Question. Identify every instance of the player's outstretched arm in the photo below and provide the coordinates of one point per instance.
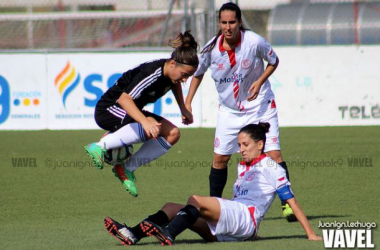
(301, 217)
(195, 82)
(187, 116)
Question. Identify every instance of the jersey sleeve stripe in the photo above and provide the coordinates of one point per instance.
(136, 91)
(147, 80)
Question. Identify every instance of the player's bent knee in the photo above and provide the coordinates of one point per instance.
(220, 161)
(194, 200)
(168, 205)
(275, 155)
(174, 135)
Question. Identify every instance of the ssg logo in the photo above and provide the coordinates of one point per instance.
(66, 81)
(69, 78)
(94, 86)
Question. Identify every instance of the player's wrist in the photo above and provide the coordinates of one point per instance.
(145, 122)
(188, 102)
(182, 108)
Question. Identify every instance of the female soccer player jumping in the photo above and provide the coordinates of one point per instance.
(120, 110)
(259, 179)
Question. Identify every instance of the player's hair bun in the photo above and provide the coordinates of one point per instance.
(265, 126)
(185, 49)
(185, 40)
(256, 131)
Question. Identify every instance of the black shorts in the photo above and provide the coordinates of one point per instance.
(111, 117)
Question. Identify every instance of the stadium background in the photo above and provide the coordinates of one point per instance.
(111, 24)
(58, 57)
(72, 51)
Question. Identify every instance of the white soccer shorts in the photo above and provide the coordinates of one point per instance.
(235, 222)
(229, 124)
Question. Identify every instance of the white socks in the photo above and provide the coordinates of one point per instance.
(149, 151)
(129, 134)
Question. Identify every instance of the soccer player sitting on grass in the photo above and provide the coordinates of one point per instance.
(215, 219)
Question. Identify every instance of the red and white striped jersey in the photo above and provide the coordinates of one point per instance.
(258, 183)
(235, 70)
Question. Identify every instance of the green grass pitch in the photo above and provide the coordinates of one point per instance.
(51, 198)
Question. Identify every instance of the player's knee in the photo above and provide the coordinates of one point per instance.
(275, 155)
(220, 161)
(167, 206)
(175, 134)
(193, 200)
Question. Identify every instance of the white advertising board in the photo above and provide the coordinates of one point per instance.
(23, 97)
(70, 85)
(318, 86)
(314, 86)
(328, 86)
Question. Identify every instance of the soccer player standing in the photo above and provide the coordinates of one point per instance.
(120, 110)
(236, 57)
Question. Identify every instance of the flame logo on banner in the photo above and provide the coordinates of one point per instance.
(66, 81)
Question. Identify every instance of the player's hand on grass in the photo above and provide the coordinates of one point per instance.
(151, 128)
(314, 237)
(254, 91)
(187, 117)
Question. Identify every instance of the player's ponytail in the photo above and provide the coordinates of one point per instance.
(185, 49)
(256, 131)
(227, 6)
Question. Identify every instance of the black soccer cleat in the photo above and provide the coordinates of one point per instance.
(160, 233)
(120, 232)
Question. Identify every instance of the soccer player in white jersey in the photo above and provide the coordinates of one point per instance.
(120, 110)
(236, 58)
(259, 179)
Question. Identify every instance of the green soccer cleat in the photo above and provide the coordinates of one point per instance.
(288, 213)
(127, 178)
(96, 154)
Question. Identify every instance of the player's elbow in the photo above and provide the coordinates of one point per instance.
(276, 63)
(124, 97)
